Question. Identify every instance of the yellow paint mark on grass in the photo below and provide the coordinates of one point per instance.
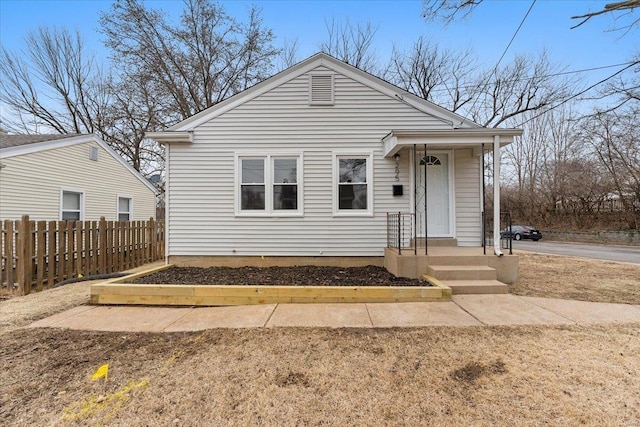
(104, 406)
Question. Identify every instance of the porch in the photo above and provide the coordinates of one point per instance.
(466, 270)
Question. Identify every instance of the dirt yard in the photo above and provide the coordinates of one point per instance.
(282, 276)
(568, 375)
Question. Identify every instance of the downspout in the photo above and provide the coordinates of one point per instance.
(496, 195)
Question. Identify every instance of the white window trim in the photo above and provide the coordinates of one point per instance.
(118, 211)
(337, 155)
(82, 201)
(268, 212)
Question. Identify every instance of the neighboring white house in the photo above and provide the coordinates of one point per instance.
(308, 163)
(70, 177)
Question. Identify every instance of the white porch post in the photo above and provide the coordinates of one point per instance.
(496, 195)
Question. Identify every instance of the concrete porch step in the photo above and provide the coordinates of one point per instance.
(463, 287)
(436, 242)
(475, 260)
(462, 272)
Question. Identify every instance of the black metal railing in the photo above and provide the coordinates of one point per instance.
(401, 233)
(506, 239)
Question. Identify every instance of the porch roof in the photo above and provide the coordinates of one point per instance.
(395, 140)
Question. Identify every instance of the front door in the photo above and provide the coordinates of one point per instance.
(438, 194)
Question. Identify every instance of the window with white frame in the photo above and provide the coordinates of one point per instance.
(269, 185)
(352, 178)
(72, 205)
(125, 208)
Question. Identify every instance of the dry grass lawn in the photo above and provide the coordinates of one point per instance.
(525, 375)
(554, 276)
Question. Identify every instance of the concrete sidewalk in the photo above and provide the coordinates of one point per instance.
(463, 310)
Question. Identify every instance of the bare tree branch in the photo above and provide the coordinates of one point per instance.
(608, 8)
(351, 44)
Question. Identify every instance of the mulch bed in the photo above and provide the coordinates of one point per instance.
(279, 276)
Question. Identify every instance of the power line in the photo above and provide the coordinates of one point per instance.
(514, 35)
(495, 68)
(561, 73)
(582, 92)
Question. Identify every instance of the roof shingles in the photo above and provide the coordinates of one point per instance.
(7, 141)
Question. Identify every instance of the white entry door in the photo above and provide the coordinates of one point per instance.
(438, 194)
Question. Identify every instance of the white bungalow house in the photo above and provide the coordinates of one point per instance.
(326, 164)
(70, 177)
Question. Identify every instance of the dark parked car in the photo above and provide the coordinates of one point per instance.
(519, 232)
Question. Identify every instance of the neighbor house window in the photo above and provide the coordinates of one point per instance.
(125, 208)
(352, 178)
(72, 205)
(269, 185)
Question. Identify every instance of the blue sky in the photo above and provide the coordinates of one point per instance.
(487, 31)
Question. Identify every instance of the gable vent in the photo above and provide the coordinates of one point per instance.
(321, 89)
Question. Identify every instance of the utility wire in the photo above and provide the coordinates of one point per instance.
(495, 68)
(582, 92)
(561, 73)
(514, 35)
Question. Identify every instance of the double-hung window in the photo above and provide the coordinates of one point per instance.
(353, 175)
(125, 208)
(71, 205)
(269, 185)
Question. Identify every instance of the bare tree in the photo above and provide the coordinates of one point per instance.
(527, 84)
(615, 139)
(439, 75)
(450, 10)
(352, 44)
(618, 6)
(197, 63)
(288, 56)
(53, 85)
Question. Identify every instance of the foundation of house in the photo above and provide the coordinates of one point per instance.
(274, 261)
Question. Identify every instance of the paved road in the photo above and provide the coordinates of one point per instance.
(611, 253)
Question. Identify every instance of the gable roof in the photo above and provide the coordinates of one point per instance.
(7, 140)
(16, 145)
(319, 59)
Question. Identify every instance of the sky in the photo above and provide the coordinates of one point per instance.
(487, 31)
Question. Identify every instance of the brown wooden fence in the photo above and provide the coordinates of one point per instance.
(38, 255)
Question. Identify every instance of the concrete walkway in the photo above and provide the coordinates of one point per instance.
(463, 310)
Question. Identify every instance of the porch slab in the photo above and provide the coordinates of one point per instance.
(507, 310)
(588, 312)
(410, 314)
(320, 315)
(459, 287)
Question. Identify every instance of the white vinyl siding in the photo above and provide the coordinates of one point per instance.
(202, 202)
(30, 184)
(467, 185)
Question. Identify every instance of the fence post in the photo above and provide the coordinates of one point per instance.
(23, 264)
(102, 233)
(152, 240)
